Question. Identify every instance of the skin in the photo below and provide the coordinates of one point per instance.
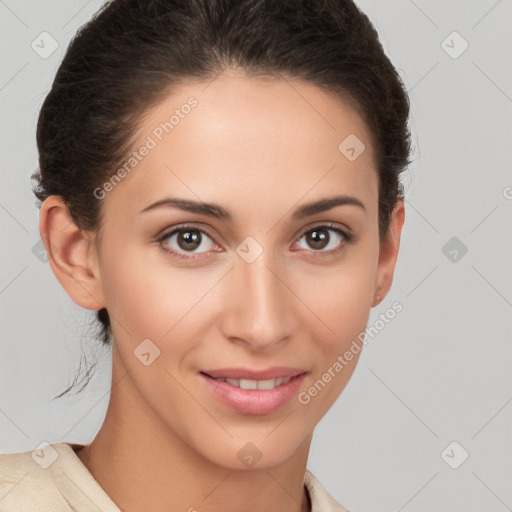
(260, 148)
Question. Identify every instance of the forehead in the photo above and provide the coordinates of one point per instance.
(254, 138)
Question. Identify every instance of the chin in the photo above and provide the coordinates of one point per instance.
(256, 450)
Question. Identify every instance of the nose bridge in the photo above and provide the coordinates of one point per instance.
(260, 305)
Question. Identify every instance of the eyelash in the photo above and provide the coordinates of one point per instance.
(348, 239)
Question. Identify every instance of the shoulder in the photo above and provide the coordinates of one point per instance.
(51, 478)
(27, 481)
(321, 500)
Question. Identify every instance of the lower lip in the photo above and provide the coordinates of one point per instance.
(254, 401)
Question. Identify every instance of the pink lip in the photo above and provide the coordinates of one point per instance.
(254, 401)
(247, 373)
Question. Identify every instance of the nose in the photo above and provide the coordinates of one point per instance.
(259, 306)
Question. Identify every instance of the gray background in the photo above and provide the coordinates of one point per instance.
(438, 373)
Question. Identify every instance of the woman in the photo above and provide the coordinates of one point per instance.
(269, 137)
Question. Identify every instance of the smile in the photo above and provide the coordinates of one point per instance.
(253, 396)
(256, 384)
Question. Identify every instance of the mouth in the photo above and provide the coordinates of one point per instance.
(254, 396)
(265, 384)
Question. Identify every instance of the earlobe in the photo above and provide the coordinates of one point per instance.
(71, 254)
(389, 252)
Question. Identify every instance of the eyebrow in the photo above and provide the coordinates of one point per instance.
(217, 211)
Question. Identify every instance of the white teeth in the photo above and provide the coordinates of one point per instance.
(257, 384)
(248, 384)
(269, 384)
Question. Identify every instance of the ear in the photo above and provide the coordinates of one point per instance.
(389, 253)
(72, 254)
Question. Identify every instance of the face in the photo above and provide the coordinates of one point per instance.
(193, 293)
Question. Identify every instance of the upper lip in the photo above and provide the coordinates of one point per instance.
(250, 374)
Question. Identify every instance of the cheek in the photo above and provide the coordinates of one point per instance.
(148, 295)
(339, 298)
(130, 288)
(341, 307)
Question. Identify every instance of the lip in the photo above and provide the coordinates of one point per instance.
(247, 373)
(254, 401)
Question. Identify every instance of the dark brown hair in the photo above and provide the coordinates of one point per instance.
(132, 53)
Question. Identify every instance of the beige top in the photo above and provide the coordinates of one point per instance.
(54, 479)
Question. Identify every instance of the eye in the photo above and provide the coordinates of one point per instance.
(186, 239)
(318, 238)
(190, 242)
